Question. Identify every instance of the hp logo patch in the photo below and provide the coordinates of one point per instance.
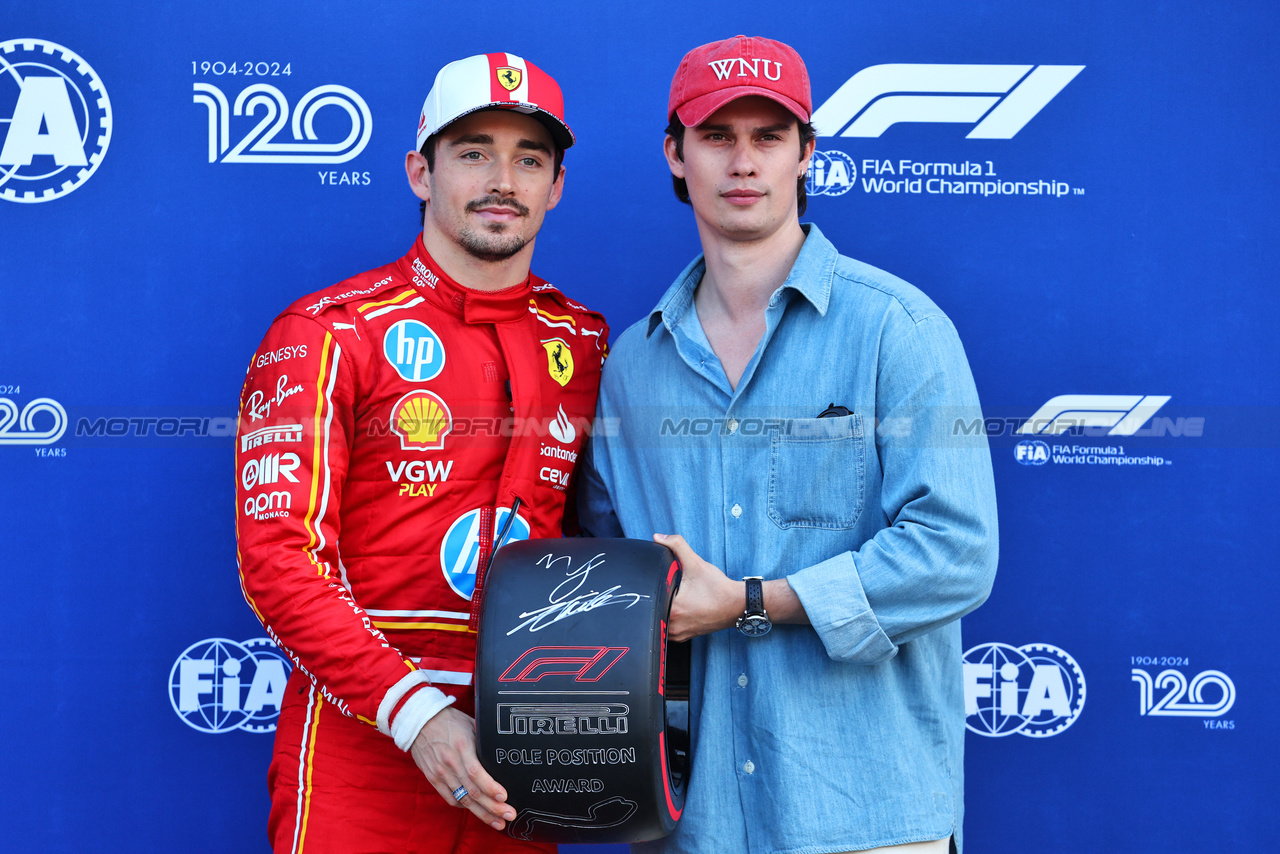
(55, 120)
(1031, 452)
(1035, 690)
(831, 173)
(218, 685)
(414, 350)
(460, 551)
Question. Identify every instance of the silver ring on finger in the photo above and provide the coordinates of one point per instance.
(460, 793)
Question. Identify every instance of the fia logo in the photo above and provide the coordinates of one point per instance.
(55, 120)
(414, 350)
(831, 173)
(1036, 690)
(218, 685)
(1001, 99)
(460, 549)
(1172, 703)
(1123, 413)
(28, 433)
(1031, 452)
(258, 144)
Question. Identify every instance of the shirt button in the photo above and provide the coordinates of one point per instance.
(736, 510)
(732, 425)
(742, 681)
(749, 767)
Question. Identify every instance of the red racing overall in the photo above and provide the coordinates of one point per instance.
(387, 426)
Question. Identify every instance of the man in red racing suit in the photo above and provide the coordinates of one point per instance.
(388, 426)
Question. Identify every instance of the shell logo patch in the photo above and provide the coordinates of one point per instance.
(559, 360)
(421, 420)
(509, 78)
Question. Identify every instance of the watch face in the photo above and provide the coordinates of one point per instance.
(754, 626)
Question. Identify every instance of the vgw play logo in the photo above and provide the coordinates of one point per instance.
(219, 685)
(55, 121)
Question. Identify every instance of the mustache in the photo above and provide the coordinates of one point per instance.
(497, 201)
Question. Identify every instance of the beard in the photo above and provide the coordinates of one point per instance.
(493, 243)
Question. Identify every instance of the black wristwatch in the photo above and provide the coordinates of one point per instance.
(754, 622)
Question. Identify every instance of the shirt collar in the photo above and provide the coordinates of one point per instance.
(810, 276)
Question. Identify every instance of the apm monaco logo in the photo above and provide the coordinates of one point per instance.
(1035, 690)
(55, 120)
(460, 549)
(314, 135)
(33, 422)
(998, 100)
(219, 685)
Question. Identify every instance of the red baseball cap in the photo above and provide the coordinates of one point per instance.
(715, 74)
(501, 80)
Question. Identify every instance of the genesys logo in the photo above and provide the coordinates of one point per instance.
(1036, 690)
(266, 128)
(998, 100)
(219, 685)
(55, 120)
(40, 422)
(1209, 694)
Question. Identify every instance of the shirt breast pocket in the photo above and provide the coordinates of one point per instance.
(816, 473)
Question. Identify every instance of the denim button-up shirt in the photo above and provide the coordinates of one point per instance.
(849, 733)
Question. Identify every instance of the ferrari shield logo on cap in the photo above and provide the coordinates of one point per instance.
(559, 360)
(509, 77)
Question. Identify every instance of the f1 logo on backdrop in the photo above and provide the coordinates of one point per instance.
(303, 144)
(1001, 99)
(55, 120)
(1123, 413)
(1035, 690)
(218, 685)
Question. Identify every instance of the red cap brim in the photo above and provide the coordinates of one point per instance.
(695, 112)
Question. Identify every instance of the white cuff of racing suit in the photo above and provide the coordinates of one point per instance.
(415, 712)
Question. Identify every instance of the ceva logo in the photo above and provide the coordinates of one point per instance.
(1000, 99)
(55, 120)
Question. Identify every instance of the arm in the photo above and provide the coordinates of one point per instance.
(936, 559)
(932, 564)
(296, 420)
(296, 424)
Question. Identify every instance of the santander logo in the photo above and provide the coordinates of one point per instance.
(562, 429)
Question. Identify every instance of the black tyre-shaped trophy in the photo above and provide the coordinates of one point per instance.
(582, 705)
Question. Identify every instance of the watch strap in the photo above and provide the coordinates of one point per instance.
(755, 594)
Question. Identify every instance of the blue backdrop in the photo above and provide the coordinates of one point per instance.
(1088, 189)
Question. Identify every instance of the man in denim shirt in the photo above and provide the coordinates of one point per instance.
(790, 413)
